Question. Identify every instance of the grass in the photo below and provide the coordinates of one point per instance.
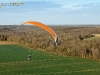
(13, 61)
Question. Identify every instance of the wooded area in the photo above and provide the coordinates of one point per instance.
(73, 40)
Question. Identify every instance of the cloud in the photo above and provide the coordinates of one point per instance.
(72, 7)
(81, 8)
(52, 12)
(86, 15)
(44, 6)
(35, 6)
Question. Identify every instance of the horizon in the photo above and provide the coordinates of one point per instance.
(54, 25)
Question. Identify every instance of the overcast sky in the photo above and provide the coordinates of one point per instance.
(51, 12)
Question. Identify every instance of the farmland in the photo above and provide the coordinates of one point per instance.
(95, 36)
(77, 53)
(13, 61)
(6, 42)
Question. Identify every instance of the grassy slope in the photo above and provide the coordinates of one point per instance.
(13, 60)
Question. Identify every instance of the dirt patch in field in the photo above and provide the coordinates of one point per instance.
(6, 42)
(97, 35)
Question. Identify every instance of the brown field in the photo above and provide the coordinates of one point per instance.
(6, 42)
(97, 35)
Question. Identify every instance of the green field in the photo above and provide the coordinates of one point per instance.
(13, 61)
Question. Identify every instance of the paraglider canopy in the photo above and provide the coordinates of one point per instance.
(43, 26)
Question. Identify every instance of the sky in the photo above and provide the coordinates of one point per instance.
(51, 12)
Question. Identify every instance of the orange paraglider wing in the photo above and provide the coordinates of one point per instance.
(43, 26)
